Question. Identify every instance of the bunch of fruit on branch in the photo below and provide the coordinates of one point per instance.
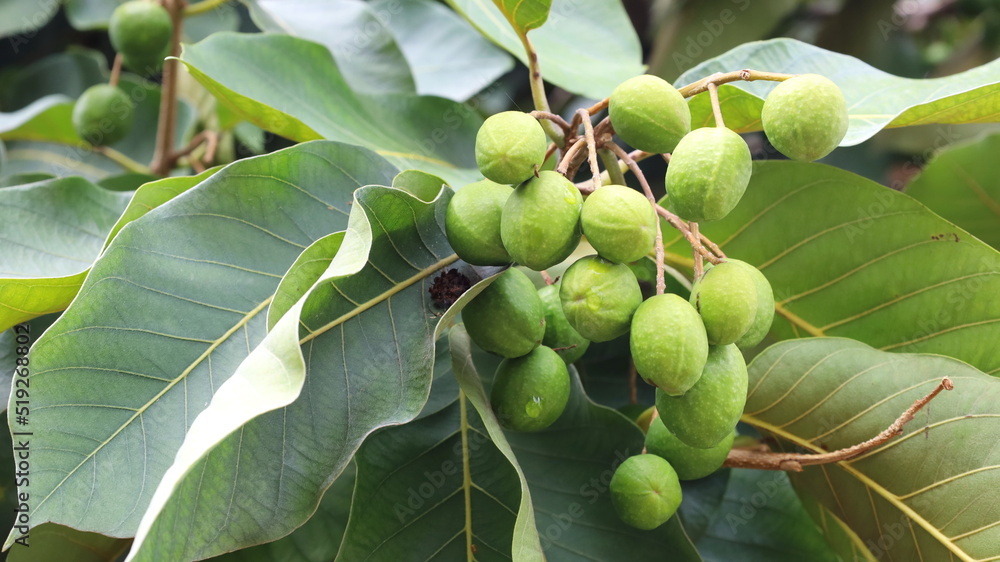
(690, 350)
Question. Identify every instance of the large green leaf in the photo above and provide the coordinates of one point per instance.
(52, 231)
(364, 334)
(51, 542)
(447, 56)
(32, 157)
(524, 15)
(250, 72)
(875, 99)
(166, 315)
(587, 48)
(848, 257)
(928, 495)
(962, 185)
(365, 51)
(68, 73)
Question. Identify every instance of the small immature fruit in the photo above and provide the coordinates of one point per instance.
(765, 308)
(540, 224)
(509, 146)
(140, 30)
(805, 117)
(102, 115)
(473, 223)
(645, 491)
(599, 297)
(619, 223)
(690, 463)
(649, 114)
(558, 332)
(707, 413)
(669, 344)
(530, 392)
(726, 298)
(507, 317)
(708, 173)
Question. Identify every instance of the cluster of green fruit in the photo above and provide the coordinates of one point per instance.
(140, 31)
(688, 349)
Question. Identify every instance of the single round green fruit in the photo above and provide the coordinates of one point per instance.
(805, 117)
(619, 223)
(649, 114)
(530, 392)
(668, 342)
(540, 224)
(146, 65)
(509, 146)
(507, 317)
(102, 115)
(558, 332)
(645, 491)
(140, 30)
(764, 315)
(473, 223)
(726, 298)
(599, 297)
(708, 174)
(707, 413)
(691, 463)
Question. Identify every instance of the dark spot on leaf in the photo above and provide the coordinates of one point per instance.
(447, 287)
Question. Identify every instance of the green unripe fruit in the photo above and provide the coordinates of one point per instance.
(765, 308)
(540, 224)
(473, 223)
(726, 298)
(805, 117)
(646, 418)
(690, 463)
(530, 392)
(619, 223)
(599, 297)
(509, 146)
(140, 30)
(558, 332)
(707, 413)
(506, 318)
(668, 342)
(645, 491)
(102, 115)
(146, 65)
(649, 114)
(708, 174)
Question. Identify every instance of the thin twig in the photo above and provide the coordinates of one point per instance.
(116, 70)
(598, 107)
(588, 135)
(633, 391)
(693, 240)
(570, 154)
(557, 119)
(699, 264)
(538, 96)
(747, 75)
(162, 163)
(661, 284)
(713, 94)
(547, 278)
(766, 460)
(122, 160)
(615, 175)
(553, 147)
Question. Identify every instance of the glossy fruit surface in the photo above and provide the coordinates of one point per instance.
(649, 114)
(507, 317)
(668, 342)
(645, 491)
(509, 146)
(540, 224)
(619, 223)
(473, 222)
(530, 392)
(140, 30)
(726, 298)
(707, 413)
(559, 335)
(708, 173)
(690, 463)
(805, 117)
(599, 297)
(103, 115)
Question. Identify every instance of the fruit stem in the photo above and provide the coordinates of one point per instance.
(570, 154)
(713, 94)
(718, 78)
(116, 70)
(162, 161)
(696, 241)
(588, 134)
(793, 462)
(699, 264)
(203, 7)
(547, 278)
(615, 175)
(557, 119)
(661, 285)
(538, 96)
(122, 160)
